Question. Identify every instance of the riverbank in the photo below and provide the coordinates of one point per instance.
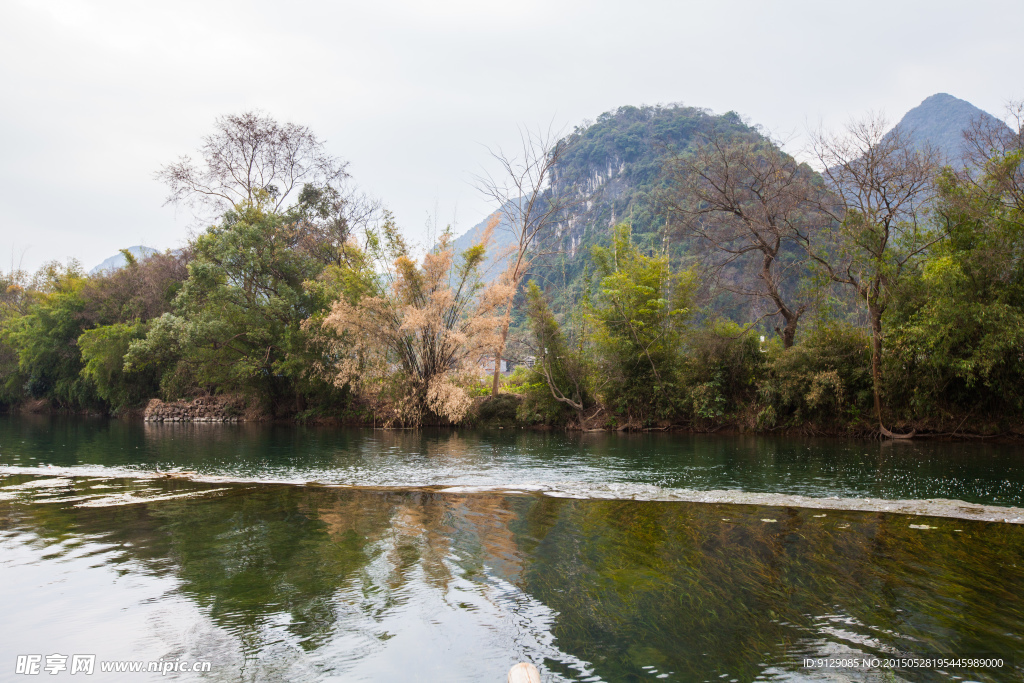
(502, 412)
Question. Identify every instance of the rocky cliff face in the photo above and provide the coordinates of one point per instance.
(612, 170)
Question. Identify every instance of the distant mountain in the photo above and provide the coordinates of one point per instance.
(118, 261)
(612, 171)
(942, 119)
(501, 240)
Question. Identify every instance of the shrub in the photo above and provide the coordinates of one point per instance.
(825, 378)
(720, 370)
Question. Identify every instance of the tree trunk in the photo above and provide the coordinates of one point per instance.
(497, 356)
(876, 358)
(791, 317)
(497, 374)
(876, 371)
(788, 332)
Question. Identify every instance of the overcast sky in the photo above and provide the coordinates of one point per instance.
(98, 95)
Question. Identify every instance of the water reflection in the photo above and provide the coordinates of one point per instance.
(308, 583)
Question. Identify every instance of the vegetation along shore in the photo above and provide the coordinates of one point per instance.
(658, 268)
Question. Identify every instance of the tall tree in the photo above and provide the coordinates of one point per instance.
(640, 309)
(749, 203)
(528, 209)
(880, 183)
(960, 333)
(561, 366)
(235, 324)
(408, 343)
(248, 154)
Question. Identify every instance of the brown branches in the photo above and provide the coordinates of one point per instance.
(528, 208)
(251, 156)
(879, 184)
(748, 202)
(419, 335)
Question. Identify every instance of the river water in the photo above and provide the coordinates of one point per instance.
(303, 554)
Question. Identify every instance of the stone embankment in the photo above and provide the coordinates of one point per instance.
(205, 409)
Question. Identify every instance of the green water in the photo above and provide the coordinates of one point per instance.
(277, 581)
(976, 473)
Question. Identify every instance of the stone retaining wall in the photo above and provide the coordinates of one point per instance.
(205, 409)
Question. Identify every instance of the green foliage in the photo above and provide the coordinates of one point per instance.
(959, 329)
(537, 406)
(720, 370)
(501, 410)
(47, 322)
(103, 350)
(559, 369)
(640, 311)
(16, 296)
(284, 308)
(236, 324)
(45, 340)
(826, 379)
(614, 167)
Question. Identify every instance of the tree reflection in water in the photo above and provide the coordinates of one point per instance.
(309, 582)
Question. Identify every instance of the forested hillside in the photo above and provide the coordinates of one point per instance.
(613, 172)
(616, 170)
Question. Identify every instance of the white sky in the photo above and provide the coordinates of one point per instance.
(97, 95)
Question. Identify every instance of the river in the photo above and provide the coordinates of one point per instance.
(317, 554)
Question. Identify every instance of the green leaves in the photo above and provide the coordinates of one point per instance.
(959, 329)
(238, 316)
(639, 311)
(103, 352)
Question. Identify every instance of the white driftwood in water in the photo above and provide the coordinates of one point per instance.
(891, 435)
(524, 672)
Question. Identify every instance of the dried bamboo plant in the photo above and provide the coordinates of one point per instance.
(413, 347)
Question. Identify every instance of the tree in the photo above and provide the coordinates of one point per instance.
(561, 367)
(141, 290)
(326, 219)
(639, 310)
(749, 201)
(248, 154)
(528, 208)
(286, 217)
(880, 182)
(103, 350)
(959, 334)
(408, 344)
(45, 338)
(236, 322)
(16, 297)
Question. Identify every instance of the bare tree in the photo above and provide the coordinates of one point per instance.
(749, 202)
(247, 155)
(989, 143)
(529, 207)
(987, 138)
(881, 184)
